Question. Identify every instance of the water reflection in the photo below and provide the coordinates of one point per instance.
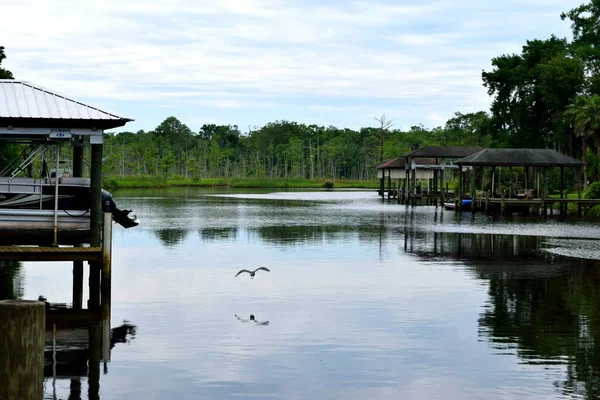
(11, 280)
(542, 307)
(171, 236)
(73, 354)
(214, 234)
(370, 300)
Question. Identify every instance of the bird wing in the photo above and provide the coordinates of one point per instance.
(263, 268)
(243, 270)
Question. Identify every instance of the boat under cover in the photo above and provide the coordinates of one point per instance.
(29, 204)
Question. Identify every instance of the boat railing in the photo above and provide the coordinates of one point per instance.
(35, 152)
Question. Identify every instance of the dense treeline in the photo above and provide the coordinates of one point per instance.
(278, 149)
(546, 96)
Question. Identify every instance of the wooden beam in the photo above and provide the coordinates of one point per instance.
(27, 253)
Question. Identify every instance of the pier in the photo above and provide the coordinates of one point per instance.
(422, 176)
(501, 196)
(502, 181)
(55, 216)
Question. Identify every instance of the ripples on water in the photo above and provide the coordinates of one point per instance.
(365, 300)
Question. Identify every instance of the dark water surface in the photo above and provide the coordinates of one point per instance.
(364, 300)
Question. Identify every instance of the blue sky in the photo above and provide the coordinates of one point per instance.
(250, 62)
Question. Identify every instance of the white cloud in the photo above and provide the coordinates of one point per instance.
(378, 55)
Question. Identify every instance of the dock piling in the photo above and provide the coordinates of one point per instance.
(22, 328)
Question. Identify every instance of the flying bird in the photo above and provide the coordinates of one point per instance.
(252, 273)
(252, 318)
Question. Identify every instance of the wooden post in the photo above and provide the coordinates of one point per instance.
(473, 184)
(382, 184)
(414, 185)
(389, 183)
(577, 179)
(78, 152)
(442, 197)
(460, 189)
(562, 188)
(22, 328)
(95, 221)
(493, 188)
(406, 180)
(502, 203)
(106, 281)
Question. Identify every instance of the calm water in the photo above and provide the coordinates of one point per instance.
(364, 300)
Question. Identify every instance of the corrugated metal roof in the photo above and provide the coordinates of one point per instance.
(521, 158)
(21, 99)
(444, 151)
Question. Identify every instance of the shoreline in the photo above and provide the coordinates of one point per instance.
(114, 183)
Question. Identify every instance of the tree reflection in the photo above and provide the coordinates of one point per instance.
(551, 317)
(11, 280)
(319, 234)
(208, 234)
(544, 305)
(171, 236)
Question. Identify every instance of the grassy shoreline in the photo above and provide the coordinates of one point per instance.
(113, 183)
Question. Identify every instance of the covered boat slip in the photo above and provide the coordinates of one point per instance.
(66, 206)
(422, 176)
(487, 179)
(510, 195)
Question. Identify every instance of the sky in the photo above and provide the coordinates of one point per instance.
(251, 62)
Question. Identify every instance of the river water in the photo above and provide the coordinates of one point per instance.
(364, 300)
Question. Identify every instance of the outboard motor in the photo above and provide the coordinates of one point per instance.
(121, 217)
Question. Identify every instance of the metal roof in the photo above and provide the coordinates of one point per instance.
(520, 158)
(400, 162)
(25, 104)
(444, 151)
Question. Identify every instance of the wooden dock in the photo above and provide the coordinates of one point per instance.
(35, 253)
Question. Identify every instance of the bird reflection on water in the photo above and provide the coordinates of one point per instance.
(252, 318)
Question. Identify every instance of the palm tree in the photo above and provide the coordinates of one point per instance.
(584, 112)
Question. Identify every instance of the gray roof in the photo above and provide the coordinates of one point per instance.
(25, 104)
(444, 151)
(400, 162)
(520, 157)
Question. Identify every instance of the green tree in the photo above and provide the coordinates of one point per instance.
(531, 90)
(585, 24)
(4, 73)
(584, 113)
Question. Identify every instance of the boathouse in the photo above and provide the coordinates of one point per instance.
(396, 171)
(33, 208)
(534, 189)
(427, 167)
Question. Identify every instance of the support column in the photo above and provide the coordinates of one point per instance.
(406, 180)
(414, 185)
(389, 196)
(106, 281)
(78, 155)
(95, 219)
(382, 184)
(460, 189)
(22, 329)
(562, 188)
(442, 197)
(577, 172)
(473, 187)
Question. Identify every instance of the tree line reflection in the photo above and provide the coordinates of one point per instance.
(546, 306)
